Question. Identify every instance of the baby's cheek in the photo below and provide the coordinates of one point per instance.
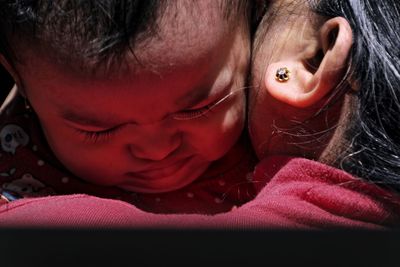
(234, 117)
(216, 137)
(95, 166)
(90, 162)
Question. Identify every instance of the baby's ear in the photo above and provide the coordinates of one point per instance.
(8, 67)
(302, 81)
(13, 72)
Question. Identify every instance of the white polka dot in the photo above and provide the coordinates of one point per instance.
(27, 176)
(221, 183)
(190, 195)
(40, 162)
(249, 176)
(34, 148)
(158, 199)
(65, 180)
(218, 200)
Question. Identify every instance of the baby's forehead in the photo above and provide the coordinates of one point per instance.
(192, 32)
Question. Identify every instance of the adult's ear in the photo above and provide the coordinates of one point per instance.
(328, 51)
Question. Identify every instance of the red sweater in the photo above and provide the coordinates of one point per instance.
(293, 193)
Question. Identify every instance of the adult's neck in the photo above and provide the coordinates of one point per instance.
(339, 146)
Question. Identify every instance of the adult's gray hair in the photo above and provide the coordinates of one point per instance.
(374, 133)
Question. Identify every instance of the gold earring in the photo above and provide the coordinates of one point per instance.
(282, 75)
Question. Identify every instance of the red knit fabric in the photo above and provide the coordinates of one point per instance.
(294, 193)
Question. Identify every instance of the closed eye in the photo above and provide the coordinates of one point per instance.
(97, 136)
(201, 112)
(193, 113)
(104, 135)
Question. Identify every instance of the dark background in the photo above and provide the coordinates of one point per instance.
(203, 248)
(6, 83)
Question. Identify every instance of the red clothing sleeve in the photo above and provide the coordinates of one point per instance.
(293, 193)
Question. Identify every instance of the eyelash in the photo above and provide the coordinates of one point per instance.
(194, 113)
(94, 137)
(197, 113)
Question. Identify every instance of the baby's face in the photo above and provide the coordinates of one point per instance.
(148, 130)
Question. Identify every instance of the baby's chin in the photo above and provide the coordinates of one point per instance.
(186, 175)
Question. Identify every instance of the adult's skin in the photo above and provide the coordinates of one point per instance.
(341, 103)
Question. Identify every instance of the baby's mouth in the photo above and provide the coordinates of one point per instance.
(158, 172)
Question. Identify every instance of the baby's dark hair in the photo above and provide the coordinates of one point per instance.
(374, 67)
(88, 30)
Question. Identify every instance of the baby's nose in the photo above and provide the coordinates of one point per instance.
(156, 144)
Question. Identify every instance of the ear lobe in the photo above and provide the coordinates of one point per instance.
(307, 87)
(292, 91)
